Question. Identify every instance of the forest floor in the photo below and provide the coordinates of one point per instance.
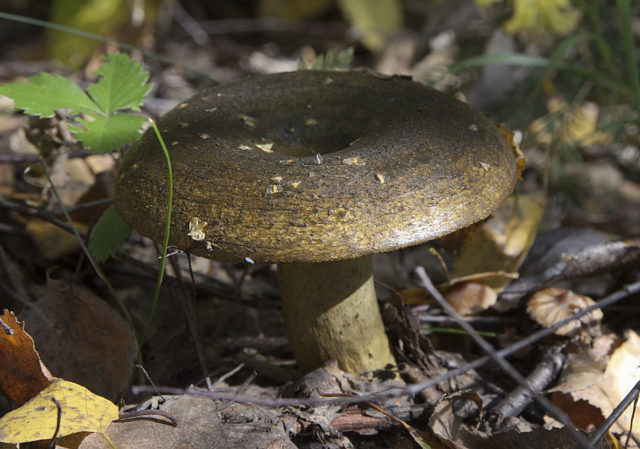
(215, 346)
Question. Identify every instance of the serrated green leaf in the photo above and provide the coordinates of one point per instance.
(108, 235)
(123, 84)
(332, 60)
(109, 133)
(337, 60)
(45, 93)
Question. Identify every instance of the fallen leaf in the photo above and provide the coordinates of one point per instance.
(501, 242)
(80, 411)
(22, 373)
(82, 339)
(374, 21)
(552, 305)
(53, 242)
(469, 298)
(619, 378)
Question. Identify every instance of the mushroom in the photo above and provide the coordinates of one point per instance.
(552, 305)
(290, 173)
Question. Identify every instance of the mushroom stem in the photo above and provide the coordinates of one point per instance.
(331, 313)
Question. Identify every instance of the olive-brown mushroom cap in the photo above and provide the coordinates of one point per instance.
(314, 166)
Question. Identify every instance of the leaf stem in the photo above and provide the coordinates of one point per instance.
(167, 227)
(97, 37)
(96, 267)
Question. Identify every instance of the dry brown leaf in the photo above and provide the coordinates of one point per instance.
(22, 373)
(82, 339)
(552, 305)
(585, 367)
(469, 298)
(620, 376)
(501, 242)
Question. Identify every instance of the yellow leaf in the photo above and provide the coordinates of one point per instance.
(555, 16)
(501, 242)
(374, 20)
(81, 411)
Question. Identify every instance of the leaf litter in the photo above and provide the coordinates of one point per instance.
(582, 266)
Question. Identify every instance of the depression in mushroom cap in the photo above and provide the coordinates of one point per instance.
(316, 176)
(399, 156)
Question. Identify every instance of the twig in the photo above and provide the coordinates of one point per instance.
(516, 401)
(37, 213)
(52, 443)
(186, 301)
(148, 377)
(189, 25)
(97, 37)
(13, 158)
(410, 390)
(614, 415)
(488, 349)
(125, 416)
(225, 376)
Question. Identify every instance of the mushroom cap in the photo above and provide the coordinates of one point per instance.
(315, 166)
(552, 305)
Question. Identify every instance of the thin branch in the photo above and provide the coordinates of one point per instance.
(37, 213)
(499, 359)
(396, 391)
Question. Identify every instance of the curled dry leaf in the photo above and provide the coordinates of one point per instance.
(22, 373)
(551, 305)
(501, 243)
(470, 297)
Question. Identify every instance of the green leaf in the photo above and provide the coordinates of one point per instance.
(108, 235)
(109, 133)
(105, 134)
(334, 60)
(45, 93)
(123, 84)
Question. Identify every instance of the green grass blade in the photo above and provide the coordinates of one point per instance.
(630, 51)
(94, 264)
(167, 228)
(97, 37)
(516, 59)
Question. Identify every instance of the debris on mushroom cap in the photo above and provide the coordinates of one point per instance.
(552, 305)
(266, 147)
(416, 138)
(247, 120)
(517, 152)
(354, 160)
(468, 298)
(196, 229)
